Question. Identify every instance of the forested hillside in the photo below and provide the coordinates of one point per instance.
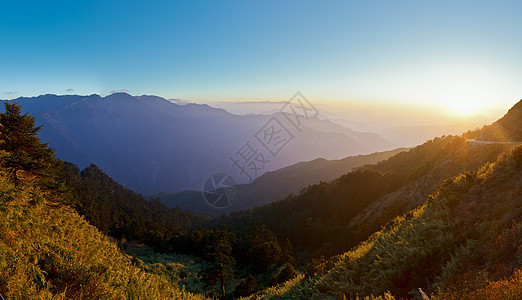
(331, 217)
(463, 243)
(47, 251)
(123, 214)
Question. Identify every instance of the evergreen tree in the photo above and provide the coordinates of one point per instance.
(218, 252)
(27, 153)
(263, 247)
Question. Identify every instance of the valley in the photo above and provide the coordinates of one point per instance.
(442, 199)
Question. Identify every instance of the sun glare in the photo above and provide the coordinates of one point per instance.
(465, 93)
(465, 107)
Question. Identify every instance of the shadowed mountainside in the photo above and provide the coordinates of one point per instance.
(276, 185)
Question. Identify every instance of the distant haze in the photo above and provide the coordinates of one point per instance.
(403, 124)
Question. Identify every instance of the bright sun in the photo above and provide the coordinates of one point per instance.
(464, 93)
(465, 107)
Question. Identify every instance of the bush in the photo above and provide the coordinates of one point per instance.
(245, 287)
(286, 272)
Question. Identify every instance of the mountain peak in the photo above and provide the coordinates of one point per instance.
(119, 95)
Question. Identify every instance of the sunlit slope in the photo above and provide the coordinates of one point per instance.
(427, 165)
(506, 129)
(47, 251)
(464, 241)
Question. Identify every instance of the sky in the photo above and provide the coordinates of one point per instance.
(459, 56)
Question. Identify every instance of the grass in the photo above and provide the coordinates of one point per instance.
(47, 251)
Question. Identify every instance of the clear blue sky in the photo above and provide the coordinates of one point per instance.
(404, 51)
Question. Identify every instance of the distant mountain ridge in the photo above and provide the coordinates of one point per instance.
(276, 185)
(151, 145)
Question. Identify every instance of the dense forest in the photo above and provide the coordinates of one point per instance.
(121, 213)
(443, 218)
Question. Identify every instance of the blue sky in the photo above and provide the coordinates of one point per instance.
(411, 52)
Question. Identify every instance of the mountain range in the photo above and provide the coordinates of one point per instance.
(152, 145)
(405, 129)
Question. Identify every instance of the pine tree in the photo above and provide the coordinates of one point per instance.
(26, 152)
(219, 252)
